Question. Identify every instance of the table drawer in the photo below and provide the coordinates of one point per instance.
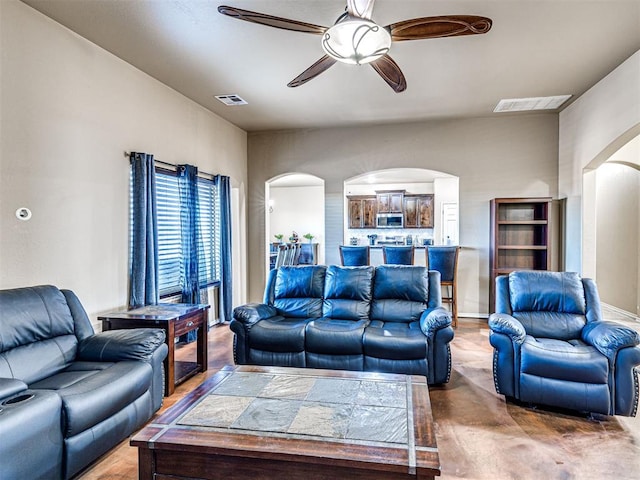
(187, 324)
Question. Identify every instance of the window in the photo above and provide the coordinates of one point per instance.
(169, 232)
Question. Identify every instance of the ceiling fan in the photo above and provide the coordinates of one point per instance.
(356, 39)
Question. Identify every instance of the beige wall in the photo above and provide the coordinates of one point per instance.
(499, 156)
(69, 111)
(617, 243)
(592, 128)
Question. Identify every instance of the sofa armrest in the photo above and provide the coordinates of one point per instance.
(609, 337)
(253, 312)
(507, 325)
(11, 386)
(117, 345)
(434, 319)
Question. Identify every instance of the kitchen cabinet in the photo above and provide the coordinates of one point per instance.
(418, 211)
(362, 211)
(390, 202)
(520, 238)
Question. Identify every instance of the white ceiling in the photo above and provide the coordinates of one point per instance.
(535, 48)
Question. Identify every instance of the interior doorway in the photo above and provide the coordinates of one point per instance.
(611, 228)
(413, 183)
(294, 206)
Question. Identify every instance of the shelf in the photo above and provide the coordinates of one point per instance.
(522, 222)
(520, 236)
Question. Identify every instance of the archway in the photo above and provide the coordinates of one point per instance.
(294, 203)
(414, 183)
(611, 231)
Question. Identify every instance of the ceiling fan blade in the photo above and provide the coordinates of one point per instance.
(313, 71)
(390, 73)
(271, 21)
(360, 8)
(436, 27)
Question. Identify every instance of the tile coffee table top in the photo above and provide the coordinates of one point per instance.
(320, 408)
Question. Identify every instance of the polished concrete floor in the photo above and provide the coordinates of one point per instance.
(479, 435)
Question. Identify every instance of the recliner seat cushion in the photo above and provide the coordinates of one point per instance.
(394, 340)
(335, 336)
(279, 334)
(347, 292)
(91, 393)
(572, 361)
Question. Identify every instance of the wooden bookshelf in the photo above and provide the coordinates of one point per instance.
(520, 237)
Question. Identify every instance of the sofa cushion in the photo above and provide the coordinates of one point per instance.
(33, 314)
(400, 293)
(347, 292)
(37, 335)
(94, 391)
(35, 361)
(552, 305)
(298, 291)
(395, 340)
(335, 336)
(279, 334)
(552, 292)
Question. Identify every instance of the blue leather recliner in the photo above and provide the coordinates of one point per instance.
(383, 319)
(552, 347)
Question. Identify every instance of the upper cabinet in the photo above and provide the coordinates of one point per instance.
(362, 211)
(418, 211)
(390, 202)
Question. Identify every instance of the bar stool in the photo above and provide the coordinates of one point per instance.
(354, 256)
(281, 256)
(398, 255)
(445, 261)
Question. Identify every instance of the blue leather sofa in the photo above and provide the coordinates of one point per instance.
(383, 319)
(552, 347)
(68, 395)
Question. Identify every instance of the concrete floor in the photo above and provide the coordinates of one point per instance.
(480, 436)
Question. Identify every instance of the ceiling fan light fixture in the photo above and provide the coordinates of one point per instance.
(356, 41)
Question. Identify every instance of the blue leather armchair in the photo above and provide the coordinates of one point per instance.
(383, 319)
(552, 346)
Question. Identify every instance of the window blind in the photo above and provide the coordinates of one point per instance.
(169, 232)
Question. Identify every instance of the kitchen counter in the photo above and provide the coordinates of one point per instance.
(399, 245)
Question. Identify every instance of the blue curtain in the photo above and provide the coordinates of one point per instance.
(143, 281)
(190, 238)
(226, 279)
(190, 232)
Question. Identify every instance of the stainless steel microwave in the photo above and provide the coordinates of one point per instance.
(390, 220)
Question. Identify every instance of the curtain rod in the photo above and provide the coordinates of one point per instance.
(172, 165)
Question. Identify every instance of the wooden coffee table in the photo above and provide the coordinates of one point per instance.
(289, 423)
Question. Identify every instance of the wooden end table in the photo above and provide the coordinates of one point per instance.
(176, 320)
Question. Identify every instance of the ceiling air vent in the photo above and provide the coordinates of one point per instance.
(231, 100)
(530, 104)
